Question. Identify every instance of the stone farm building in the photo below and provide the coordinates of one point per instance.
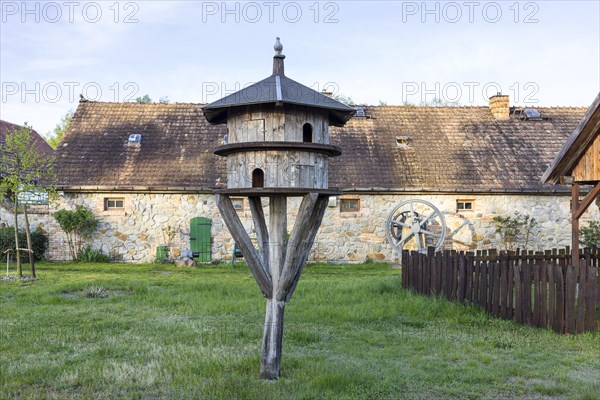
(473, 163)
(42, 147)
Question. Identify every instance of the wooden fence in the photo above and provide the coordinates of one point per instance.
(536, 288)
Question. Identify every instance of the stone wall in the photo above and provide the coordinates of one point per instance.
(38, 216)
(132, 234)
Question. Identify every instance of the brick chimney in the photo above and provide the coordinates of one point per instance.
(499, 106)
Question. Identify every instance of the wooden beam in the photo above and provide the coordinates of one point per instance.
(237, 230)
(299, 231)
(277, 239)
(262, 234)
(586, 202)
(299, 250)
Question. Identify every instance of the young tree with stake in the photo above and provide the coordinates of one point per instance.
(22, 171)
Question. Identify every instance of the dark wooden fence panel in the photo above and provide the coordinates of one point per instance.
(534, 288)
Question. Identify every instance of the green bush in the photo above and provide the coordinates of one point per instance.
(91, 255)
(78, 224)
(39, 243)
(590, 234)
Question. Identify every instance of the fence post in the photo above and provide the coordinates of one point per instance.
(510, 285)
(503, 284)
(429, 272)
(469, 293)
(476, 277)
(518, 294)
(404, 269)
(593, 299)
(462, 278)
(543, 322)
(559, 319)
(536, 289)
(483, 281)
(526, 290)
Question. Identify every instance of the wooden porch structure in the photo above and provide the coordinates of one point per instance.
(578, 163)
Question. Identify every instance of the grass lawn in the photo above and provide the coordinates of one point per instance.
(351, 332)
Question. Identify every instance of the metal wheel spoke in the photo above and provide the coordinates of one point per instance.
(437, 235)
(404, 238)
(402, 224)
(428, 218)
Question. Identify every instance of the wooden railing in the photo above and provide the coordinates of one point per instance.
(535, 288)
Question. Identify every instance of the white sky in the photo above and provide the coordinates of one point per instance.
(543, 53)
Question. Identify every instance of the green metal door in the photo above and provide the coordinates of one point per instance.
(200, 238)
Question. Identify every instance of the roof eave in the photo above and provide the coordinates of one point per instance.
(576, 145)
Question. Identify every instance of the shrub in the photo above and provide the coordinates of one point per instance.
(590, 234)
(78, 224)
(39, 243)
(89, 254)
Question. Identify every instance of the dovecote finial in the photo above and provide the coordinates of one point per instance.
(278, 58)
(278, 47)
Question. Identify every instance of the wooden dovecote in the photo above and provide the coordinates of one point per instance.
(277, 145)
(278, 135)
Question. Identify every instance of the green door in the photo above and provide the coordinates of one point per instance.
(200, 239)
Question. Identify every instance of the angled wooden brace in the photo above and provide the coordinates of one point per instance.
(301, 240)
(237, 230)
(262, 233)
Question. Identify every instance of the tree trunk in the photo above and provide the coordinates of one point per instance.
(17, 254)
(28, 235)
(270, 355)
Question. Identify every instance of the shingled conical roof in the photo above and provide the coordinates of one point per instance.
(278, 89)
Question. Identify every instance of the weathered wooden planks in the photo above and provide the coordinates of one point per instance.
(540, 289)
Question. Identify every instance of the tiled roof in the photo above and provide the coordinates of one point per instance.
(449, 148)
(175, 151)
(40, 144)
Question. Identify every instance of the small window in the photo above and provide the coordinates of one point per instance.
(402, 141)
(238, 203)
(349, 205)
(111, 204)
(307, 133)
(258, 178)
(464, 205)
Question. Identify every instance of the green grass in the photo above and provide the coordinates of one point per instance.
(351, 332)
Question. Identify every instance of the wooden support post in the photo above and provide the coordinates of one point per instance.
(284, 261)
(575, 226)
